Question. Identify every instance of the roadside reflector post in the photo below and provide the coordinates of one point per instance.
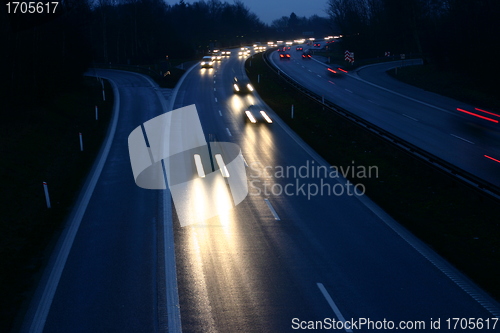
(46, 190)
(103, 95)
(292, 111)
(323, 99)
(258, 78)
(96, 113)
(81, 141)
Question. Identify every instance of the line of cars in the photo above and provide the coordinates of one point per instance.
(217, 55)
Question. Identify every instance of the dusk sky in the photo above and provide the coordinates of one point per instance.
(269, 10)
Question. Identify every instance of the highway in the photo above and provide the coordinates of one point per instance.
(424, 119)
(266, 265)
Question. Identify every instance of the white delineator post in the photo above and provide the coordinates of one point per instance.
(96, 113)
(46, 190)
(103, 95)
(81, 141)
(292, 111)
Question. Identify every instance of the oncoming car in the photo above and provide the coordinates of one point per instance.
(217, 56)
(207, 62)
(242, 85)
(256, 114)
(244, 51)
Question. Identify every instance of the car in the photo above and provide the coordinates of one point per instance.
(244, 50)
(299, 48)
(306, 55)
(217, 56)
(285, 56)
(242, 85)
(226, 53)
(336, 70)
(207, 62)
(256, 114)
(317, 45)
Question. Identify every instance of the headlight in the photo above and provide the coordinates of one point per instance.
(266, 117)
(250, 117)
(202, 63)
(249, 86)
(236, 87)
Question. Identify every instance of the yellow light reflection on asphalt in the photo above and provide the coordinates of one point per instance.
(236, 103)
(197, 193)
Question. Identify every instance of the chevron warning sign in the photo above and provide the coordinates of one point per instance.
(349, 56)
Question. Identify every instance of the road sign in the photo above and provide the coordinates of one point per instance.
(349, 56)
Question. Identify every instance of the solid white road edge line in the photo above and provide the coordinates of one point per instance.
(332, 305)
(172, 291)
(456, 136)
(43, 308)
(173, 306)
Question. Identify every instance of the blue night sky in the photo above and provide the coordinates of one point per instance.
(269, 10)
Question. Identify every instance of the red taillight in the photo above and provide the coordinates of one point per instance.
(479, 116)
(493, 114)
(491, 158)
(342, 70)
(331, 70)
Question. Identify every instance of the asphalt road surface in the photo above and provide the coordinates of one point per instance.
(281, 257)
(427, 120)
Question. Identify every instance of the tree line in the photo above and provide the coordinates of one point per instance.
(45, 53)
(454, 34)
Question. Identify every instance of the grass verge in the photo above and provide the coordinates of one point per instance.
(43, 145)
(458, 222)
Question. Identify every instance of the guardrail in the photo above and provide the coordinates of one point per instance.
(450, 169)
